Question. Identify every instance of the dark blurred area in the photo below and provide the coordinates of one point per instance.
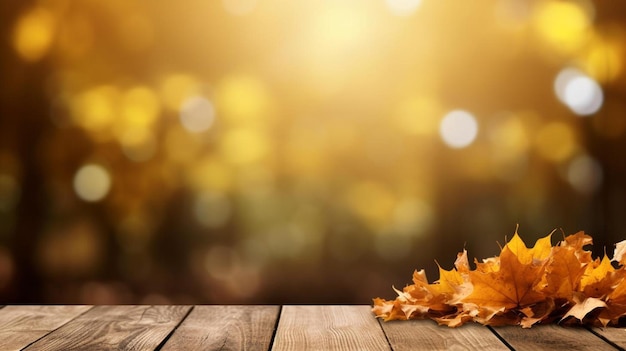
(244, 151)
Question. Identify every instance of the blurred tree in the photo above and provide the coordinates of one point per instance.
(24, 107)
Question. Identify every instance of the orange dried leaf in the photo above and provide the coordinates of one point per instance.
(513, 285)
(522, 286)
(563, 273)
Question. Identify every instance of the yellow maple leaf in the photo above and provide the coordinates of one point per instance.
(539, 252)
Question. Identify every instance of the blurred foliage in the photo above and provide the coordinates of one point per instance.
(239, 151)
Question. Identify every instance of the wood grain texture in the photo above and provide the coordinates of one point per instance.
(427, 335)
(22, 325)
(551, 337)
(115, 328)
(615, 335)
(328, 328)
(225, 328)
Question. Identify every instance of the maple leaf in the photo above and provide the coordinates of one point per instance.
(563, 273)
(537, 312)
(578, 241)
(600, 278)
(522, 285)
(539, 252)
(512, 285)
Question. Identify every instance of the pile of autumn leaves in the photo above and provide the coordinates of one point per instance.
(522, 286)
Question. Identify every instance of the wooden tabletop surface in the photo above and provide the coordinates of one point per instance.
(297, 327)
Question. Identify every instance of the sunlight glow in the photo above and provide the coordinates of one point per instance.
(403, 7)
(239, 7)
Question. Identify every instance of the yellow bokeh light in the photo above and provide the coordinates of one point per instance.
(604, 60)
(176, 88)
(372, 202)
(242, 100)
(34, 33)
(563, 25)
(418, 115)
(97, 108)
(509, 138)
(140, 107)
(413, 217)
(242, 146)
(556, 141)
(210, 174)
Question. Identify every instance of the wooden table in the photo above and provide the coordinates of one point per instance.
(296, 327)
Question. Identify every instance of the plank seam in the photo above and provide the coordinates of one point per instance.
(280, 311)
(380, 323)
(169, 335)
(605, 339)
(57, 328)
(502, 340)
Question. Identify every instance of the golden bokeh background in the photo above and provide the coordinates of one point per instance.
(315, 151)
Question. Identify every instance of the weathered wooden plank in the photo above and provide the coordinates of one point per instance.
(115, 328)
(225, 328)
(427, 335)
(22, 325)
(328, 328)
(551, 337)
(615, 335)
